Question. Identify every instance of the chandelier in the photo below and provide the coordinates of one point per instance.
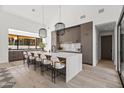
(60, 26)
(42, 30)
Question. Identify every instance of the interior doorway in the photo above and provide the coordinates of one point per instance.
(106, 47)
(105, 43)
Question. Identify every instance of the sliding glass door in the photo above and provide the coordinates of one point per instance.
(121, 46)
(122, 49)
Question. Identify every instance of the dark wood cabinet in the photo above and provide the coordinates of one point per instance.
(86, 42)
(15, 55)
(72, 35)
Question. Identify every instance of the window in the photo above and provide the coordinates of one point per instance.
(12, 41)
(23, 42)
(122, 49)
(26, 42)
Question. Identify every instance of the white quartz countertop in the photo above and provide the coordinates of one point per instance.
(62, 54)
(59, 54)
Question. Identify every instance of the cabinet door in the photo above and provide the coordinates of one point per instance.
(72, 35)
(75, 34)
(10, 56)
(86, 41)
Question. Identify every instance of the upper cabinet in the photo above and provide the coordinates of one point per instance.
(72, 35)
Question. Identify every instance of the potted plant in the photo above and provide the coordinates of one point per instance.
(42, 45)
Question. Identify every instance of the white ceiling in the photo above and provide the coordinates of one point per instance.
(122, 25)
(106, 26)
(26, 11)
(50, 11)
(70, 13)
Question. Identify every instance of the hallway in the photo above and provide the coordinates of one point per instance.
(106, 64)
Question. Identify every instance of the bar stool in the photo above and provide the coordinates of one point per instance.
(25, 57)
(31, 58)
(38, 61)
(57, 67)
(45, 65)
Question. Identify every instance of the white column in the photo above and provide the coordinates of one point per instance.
(115, 47)
(3, 44)
(94, 46)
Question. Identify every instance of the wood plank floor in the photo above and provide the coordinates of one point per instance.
(101, 76)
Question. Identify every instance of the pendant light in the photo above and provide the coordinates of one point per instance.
(60, 26)
(43, 31)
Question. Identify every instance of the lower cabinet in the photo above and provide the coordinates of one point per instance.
(15, 55)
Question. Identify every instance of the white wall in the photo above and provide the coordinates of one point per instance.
(11, 21)
(95, 46)
(3, 43)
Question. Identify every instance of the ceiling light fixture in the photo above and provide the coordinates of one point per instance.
(60, 26)
(33, 10)
(42, 30)
(101, 10)
(83, 16)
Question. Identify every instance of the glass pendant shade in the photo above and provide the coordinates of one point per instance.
(42, 30)
(60, 27)
(42, 33)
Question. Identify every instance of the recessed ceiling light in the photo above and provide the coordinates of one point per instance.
(101, 10)
(33, 10)
(83, 16)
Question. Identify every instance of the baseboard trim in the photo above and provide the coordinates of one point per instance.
(5, 61)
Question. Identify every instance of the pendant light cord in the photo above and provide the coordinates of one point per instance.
(43, 15)
(59, 13)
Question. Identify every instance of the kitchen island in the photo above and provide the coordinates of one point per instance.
(73, 62)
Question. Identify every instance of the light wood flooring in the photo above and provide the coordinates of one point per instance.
(101, 76)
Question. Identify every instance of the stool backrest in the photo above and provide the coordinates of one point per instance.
(35, 54)
(29, 53)
(55, 59)
(24, 52)
(26, 56)
(43, 56)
